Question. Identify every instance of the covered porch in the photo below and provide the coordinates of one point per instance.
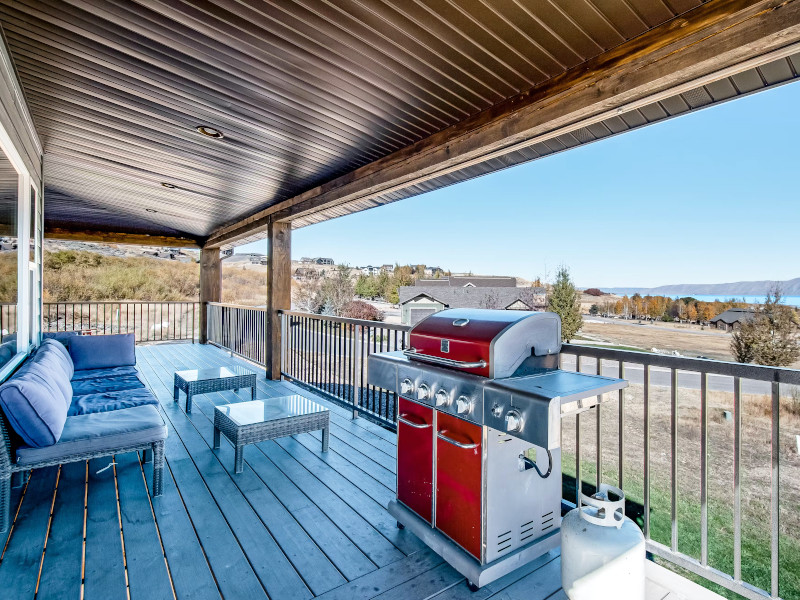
(297, 523)
(187, 124)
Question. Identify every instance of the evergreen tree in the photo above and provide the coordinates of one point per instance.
(565, 302)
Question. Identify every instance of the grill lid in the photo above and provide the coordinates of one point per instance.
(491, 343)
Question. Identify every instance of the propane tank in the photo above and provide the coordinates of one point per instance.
(602, 549)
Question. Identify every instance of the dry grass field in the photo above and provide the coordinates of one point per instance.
(688, 341)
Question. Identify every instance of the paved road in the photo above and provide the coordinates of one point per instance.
(660, 377)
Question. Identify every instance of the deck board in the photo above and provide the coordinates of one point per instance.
(61, 570)
(296, 523)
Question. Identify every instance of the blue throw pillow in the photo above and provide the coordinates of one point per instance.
(102, 351)
(34, 409)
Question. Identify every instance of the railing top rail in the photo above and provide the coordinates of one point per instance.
(228, 305)
(377, 324)
(114, 302)
(684, 363)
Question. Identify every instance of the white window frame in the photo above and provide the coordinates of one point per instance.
(23, 251)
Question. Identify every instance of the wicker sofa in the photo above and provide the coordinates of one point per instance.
(76, 398)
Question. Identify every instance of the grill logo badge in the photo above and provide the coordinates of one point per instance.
(445, 346)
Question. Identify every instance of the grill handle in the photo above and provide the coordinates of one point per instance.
(412, 424)
(412, 353)
(449, 440)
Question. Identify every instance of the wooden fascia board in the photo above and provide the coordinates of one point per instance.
(114, 237)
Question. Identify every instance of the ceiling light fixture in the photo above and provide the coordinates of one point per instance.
(151, 210)
(209, 132)
(169, 186)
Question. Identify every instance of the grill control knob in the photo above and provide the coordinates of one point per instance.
(513, 421)
(463, 405)
(442, 398)
(423, 392)
(497, 411)
(406, 386)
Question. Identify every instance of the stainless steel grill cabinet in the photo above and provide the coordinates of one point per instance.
(480, 404)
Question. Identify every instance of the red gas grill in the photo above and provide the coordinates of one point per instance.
(479, 434)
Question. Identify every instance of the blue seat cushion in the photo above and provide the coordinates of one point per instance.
(34, 406)
(110, 401)
(57, 348)
(104, 373)
(100, 432)
(102, 351)
(81, 387)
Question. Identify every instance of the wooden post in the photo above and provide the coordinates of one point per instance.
(279, 291)
(210, 286)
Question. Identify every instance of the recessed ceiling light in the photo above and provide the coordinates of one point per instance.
(151, 210)
(209, 132)
(170, 186)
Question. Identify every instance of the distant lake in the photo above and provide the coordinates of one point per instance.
(788, 300)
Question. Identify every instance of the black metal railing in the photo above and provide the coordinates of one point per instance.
(697, 445)
(329, 355)
(240, 329)
(149, 321)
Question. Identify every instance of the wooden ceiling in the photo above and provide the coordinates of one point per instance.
(305, 92)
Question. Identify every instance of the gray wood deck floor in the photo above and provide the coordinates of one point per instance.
(298, 523)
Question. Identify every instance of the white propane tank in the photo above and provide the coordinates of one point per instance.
(602, 550)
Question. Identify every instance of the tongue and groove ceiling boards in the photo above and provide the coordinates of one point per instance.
(330, 107)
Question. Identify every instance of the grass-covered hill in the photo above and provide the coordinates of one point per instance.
(79, 275)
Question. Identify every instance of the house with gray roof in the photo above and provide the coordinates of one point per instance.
(732, 319)
(417, 302)
(458, 281)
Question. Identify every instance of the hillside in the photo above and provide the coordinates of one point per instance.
(790, 287)
(86, 275)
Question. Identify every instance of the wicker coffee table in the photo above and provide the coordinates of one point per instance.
(261, 420)
(217, 379)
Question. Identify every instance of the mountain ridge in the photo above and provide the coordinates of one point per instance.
(790, 287)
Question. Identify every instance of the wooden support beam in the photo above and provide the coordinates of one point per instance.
(279, 290)
(116, 237)
(210, 286)
(705, 42)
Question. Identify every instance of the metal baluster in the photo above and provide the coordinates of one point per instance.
(646, 391)
(621, 416)
(599, 433)
(578, 445)
(674, 461)
(737, 488)
(775, 513)
(356, 350)
(704, 469)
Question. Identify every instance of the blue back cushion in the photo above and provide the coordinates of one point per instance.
(63, 337)
(61, 353)
(102, 351)
(34, 406)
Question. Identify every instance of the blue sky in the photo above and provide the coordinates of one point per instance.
(708, 197)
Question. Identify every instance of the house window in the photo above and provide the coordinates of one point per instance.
(9, 258)
(20, 258)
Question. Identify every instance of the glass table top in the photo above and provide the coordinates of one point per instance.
(260, 411)
(213, 373)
